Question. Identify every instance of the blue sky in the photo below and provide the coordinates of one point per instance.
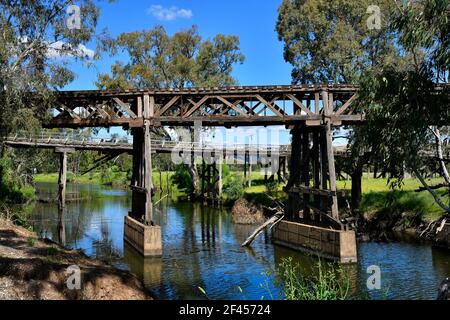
(252, 20)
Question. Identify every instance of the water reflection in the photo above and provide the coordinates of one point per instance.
(148, 269)
(61, 228)
(202, 248)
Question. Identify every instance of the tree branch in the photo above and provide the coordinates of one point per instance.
(435, 196)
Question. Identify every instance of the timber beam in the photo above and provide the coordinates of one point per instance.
(228, 106)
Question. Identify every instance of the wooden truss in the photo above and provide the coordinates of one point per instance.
(231, 106)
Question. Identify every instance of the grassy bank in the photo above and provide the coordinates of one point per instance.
(377, 196)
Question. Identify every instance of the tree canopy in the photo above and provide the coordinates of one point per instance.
(404, 110)
(330, 41)
(35, 38)
(159, 60)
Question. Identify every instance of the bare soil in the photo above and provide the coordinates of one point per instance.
(33, 269)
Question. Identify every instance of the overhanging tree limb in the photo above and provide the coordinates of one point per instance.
(433, 194)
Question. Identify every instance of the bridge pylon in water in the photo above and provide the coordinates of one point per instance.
(140, 230)
(312, 216)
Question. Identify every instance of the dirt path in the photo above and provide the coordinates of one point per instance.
(34, 269)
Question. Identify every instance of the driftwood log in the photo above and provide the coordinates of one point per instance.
(274, 220)
(444, 290)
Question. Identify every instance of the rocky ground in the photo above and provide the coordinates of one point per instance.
(37, 269)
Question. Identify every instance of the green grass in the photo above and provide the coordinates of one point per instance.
(329, 281)
(97, 178)
(377, 196)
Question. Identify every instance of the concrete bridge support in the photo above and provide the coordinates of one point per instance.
(140, 230)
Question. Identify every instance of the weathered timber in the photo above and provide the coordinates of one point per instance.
(228, 106)
(269, 223)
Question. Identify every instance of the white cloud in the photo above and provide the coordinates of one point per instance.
(169, 14)
(61, 49)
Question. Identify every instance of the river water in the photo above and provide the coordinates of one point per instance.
(201, 249)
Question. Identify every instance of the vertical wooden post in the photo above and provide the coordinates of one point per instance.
(292, 207)
(305, 171)
(203, 177)
(265, 171)
(249, 171)
(139, 107)
(316, 166)
(62, 179)
(208, 179)
(140, 230)
(149, 104)
(220, 178)
(328, 108)
(214, 182)
(245, 168)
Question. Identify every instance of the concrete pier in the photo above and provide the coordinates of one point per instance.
(336, 245)
(145, 239)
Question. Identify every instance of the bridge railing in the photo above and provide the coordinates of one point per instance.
(75, 138)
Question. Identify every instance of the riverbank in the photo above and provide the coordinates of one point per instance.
(34, 269)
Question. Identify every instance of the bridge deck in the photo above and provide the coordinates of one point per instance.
(227, 106)
(158, 146)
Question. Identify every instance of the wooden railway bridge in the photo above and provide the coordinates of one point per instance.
(309, 111)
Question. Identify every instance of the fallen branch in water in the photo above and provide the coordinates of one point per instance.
(274, 220)
(434, 227)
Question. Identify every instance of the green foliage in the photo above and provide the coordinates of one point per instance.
(331, 282)
(402, 103)
(33, 33)
(31, 241)
(233, 188)
(158, 60)
(12, 188)
(272, 186)
(182, 179)
(329, 41)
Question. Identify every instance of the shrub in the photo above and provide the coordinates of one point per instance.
(182, 179)
(331, 282)
(233, 188)
(272, 187)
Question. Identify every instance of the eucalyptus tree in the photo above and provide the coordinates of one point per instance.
(35, 37)
(406, 115)
(336, 42)
(159, 60)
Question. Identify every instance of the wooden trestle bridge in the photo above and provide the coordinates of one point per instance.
(309, 111)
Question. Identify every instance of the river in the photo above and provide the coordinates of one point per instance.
(201, 249)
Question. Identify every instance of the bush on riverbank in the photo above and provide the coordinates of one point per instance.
(12, 188)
